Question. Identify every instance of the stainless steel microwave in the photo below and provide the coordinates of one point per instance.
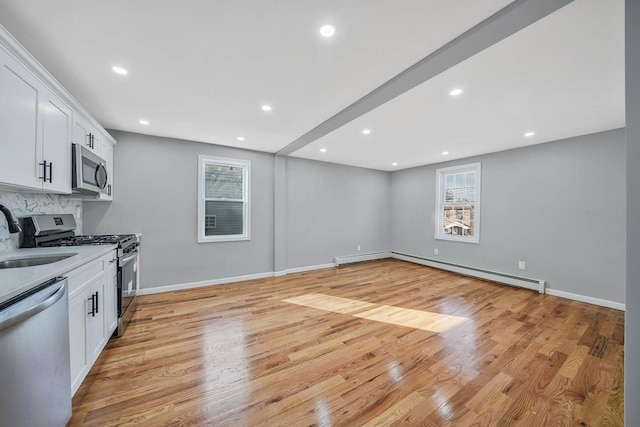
(89, 171)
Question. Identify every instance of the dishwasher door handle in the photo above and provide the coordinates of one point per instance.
(22, 315)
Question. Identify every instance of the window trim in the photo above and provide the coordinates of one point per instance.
(440, 203)
(223, 161)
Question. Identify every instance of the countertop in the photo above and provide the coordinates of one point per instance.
(14, 281)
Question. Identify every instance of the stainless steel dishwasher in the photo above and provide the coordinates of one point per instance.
(35, 383)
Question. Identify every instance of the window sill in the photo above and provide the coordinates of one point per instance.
(224, 239)
(459, 239)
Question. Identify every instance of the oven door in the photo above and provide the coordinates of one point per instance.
(127, 281)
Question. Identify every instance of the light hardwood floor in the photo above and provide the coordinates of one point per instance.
(377, 343)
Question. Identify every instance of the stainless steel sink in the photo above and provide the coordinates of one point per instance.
(33, 260)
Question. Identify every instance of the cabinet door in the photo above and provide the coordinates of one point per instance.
(56, 138)
(96, 317)
(20, 142)
(110, 297)
(81, 132)
(78, 334)
(96, 141)
(106, 152)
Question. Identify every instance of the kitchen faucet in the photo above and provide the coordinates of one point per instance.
(14, 227)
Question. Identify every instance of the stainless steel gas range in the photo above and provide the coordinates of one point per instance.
(59, 230)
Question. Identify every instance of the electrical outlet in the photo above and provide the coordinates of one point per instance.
(522, 265)
(358, 248)
(435, 251)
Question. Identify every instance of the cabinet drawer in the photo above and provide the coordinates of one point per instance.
(83, 275)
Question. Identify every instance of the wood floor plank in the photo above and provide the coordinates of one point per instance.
(613, 415)
(376, 343)
(397, 411)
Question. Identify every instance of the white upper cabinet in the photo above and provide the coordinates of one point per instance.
(99, 143)
(20, 144)
(106, 152)
(39, 120)
(81, 132)
(56, 149)
(85, 134)
(35, 132)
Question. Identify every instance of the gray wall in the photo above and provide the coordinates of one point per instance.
(558, 206)
(155, 190)
(632, 338)
(331, 209)
(319, 210)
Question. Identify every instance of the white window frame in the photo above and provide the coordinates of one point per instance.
(440, 203)
(222, 161)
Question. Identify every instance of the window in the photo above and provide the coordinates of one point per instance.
(458, 203)
(223, 199)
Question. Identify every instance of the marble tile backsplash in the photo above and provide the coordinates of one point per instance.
(26, 204)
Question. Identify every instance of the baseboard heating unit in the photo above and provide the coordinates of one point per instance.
(350, 259)
(492, 276)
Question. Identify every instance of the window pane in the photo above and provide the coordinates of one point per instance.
(469, 195)
(469, 220)
(223, 218)
(460, 180)
(458, 195)
(470, 179)
(448, 181)
(448, 195)
(223, 182)
(458, 220)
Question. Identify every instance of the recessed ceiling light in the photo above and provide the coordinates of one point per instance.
(445, 153)
(366, 131)
(266, 108)
(240, 138)
(143, 122)
(119, 70)
(529, 134)
(394, 164)
(455, 92)
(323, 150)
(327, 30)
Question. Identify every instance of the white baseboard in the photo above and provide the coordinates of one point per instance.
(590, 300)
(192, 285)
(308, 268)
(348, 259)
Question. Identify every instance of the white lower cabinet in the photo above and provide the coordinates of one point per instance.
(111, 297)
(92, 314)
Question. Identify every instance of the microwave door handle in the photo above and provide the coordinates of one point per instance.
(101, 185)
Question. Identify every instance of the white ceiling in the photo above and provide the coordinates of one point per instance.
(200, 70)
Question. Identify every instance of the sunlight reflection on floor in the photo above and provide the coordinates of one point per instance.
(410, 318)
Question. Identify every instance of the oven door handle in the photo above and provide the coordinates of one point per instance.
(124, 261)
